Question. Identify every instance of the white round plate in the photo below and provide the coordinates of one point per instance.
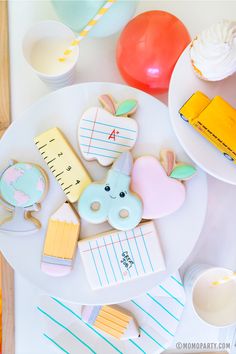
(183, 84)
(178, 232)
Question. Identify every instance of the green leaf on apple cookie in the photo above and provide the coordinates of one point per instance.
(183, 172)
(126, 107)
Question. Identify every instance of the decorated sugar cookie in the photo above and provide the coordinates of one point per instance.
(112, 320)
(22, 187)
(104, 133)
(159, 183)
(112, 200)
(63, 162)
(120, 255)
(61, 241)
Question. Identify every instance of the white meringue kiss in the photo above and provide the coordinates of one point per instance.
(213, 51)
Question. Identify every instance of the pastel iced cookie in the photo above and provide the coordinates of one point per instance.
(112, 200)
(63, 162)
(22, 187)
(111, 320)
(115, 257)
(104, 133)
(159, 185)
(61, 240)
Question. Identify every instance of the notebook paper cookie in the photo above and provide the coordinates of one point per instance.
(103, 135)
(115, 257)
(111, 320)
(61, 241)
(63, 163)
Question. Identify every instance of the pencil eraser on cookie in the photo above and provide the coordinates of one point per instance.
(120, 256)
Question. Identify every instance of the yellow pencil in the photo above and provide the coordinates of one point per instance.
(61, 241)
(111, 320)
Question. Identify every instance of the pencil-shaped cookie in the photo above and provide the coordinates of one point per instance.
(61, 241)
(109, 319)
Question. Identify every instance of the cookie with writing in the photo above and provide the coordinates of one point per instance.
(114, 257)
(104, 133)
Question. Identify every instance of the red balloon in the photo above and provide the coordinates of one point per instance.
(148, 49)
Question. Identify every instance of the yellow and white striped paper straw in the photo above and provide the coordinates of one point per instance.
(87, 28)
(225, 279)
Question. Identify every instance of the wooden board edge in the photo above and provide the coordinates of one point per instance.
(8, 305)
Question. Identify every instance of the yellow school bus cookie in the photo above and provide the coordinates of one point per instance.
(214, 119)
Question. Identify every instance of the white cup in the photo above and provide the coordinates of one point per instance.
(51, 38)
(214, 304)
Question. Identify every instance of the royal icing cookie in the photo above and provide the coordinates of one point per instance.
(61, 241)
(111, 320)
(125, 255)
(112, 200)
(104, 133)
(160, 184)
(63, 162)
(22, 187)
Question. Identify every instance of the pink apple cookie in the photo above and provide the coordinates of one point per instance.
(160, 187)
(105, 133)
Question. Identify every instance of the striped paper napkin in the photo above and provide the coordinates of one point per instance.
(158, 314)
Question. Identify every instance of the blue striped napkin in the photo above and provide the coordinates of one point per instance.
(158, 314)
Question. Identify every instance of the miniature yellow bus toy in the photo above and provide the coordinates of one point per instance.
(214, 119)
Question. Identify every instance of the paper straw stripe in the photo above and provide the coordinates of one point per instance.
(67, 329)
(87, 324)
(225, 279)
(56, 344)
(101, 12)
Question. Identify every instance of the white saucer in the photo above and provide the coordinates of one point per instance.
(183, 84)
(179, 232)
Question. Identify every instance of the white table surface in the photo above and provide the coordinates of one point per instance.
(217, 241)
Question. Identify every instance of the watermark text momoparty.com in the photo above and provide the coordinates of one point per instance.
(202, 346)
